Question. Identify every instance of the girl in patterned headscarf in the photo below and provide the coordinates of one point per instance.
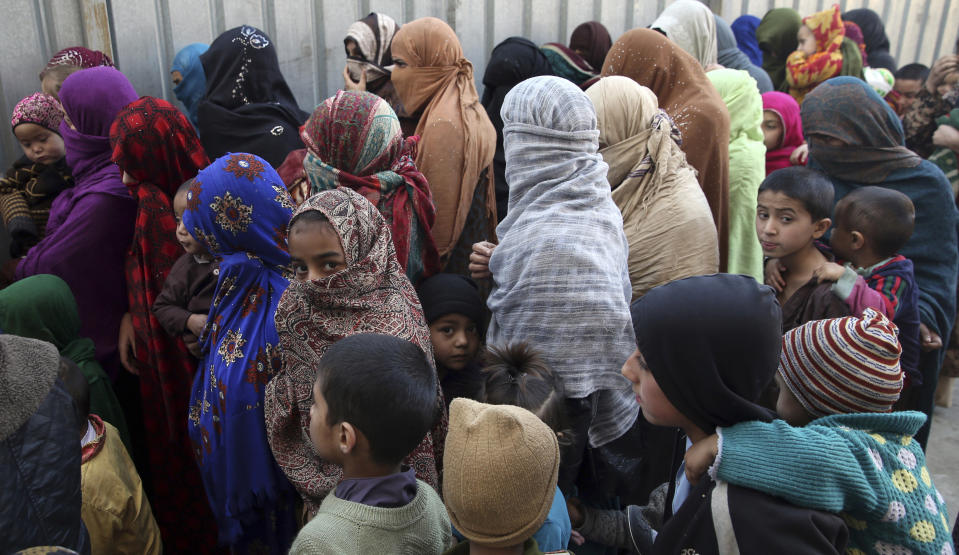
(354, 140)
(369, 57)
(238, 208)
(156, 149)
(29, 187)
(818, 55)
(355, 285)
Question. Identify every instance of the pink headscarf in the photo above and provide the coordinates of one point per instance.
(786, 107)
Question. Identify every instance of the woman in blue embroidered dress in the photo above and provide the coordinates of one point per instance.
(238, 208)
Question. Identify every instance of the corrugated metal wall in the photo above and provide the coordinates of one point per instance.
(144, 35)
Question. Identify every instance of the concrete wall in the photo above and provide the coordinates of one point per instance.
(144, 35)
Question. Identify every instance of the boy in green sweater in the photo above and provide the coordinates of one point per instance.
(848, 454)
(374, 400)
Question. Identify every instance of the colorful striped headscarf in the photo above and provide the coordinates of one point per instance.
(354, 140)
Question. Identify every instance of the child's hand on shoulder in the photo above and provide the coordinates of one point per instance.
(799, 155)
(195, 324)
(830, 271)
(700, 457)
(773, 274)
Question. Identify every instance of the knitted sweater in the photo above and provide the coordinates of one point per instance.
(422, 526)
(865, 466)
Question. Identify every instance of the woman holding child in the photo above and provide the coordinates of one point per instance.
(857, 140)
(238, 209)
(157, 149)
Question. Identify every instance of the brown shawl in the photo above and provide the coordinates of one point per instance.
(687, 95)
(457, 140)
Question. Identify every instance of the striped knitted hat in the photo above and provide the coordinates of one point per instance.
(843, 365)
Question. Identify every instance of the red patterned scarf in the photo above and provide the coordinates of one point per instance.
(354, 140)
(370, 295)
(156, 145)
(804, 73)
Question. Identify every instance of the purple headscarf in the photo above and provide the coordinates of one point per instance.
(91, 225)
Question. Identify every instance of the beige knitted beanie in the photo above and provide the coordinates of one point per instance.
(500, 469)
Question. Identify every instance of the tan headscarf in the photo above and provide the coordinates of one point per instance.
(665, 214)
(687, 95)
(457, 140)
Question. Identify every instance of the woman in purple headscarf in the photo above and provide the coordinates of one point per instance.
(91, 225)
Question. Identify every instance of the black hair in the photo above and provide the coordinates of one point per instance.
(385, 388)
(76, 385)
(885, 217)
(309, 216)
(811, 188)
(913, 72)
(517, 375)
(184, 187)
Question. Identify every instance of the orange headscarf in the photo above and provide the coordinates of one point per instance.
(687, 95)
(804, 73)
(457, 140)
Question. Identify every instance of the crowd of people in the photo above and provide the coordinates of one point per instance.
(686, 291)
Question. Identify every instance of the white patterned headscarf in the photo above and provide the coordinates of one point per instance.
(560, 271)
(692, 26)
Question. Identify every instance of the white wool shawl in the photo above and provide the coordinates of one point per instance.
(561, 281)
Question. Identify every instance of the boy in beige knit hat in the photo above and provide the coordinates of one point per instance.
(500, 470)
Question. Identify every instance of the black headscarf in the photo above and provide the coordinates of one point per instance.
(874, 35)
(514, 60)
(712, 343)
(247, 107)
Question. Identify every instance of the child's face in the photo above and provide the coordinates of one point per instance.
(187, 241)
(772, 130)
(655, 406)
(322, 435)
(788, 407)
(783, 225)
(908, 90)
(455, 340)
(807, 41)
(41, 145)
(315, 250)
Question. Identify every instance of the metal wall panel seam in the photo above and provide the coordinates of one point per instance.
(942, 30)
(111, 27)
(903, 26)
(597, 10)
(527, 19)
(217, 18)
(43, 29)
(269, 17)
(319, 50)
(164, 33)
(563, 19)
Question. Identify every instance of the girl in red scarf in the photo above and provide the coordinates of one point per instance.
(818, 55)
(156, 148)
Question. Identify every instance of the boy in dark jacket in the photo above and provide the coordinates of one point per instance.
(872, 224)
(707, 346)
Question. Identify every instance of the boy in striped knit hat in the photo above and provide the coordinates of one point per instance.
(839, 448)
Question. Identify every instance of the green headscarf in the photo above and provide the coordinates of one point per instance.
(776, 35)
(747, 167)
(43, 307)
(851, 59)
